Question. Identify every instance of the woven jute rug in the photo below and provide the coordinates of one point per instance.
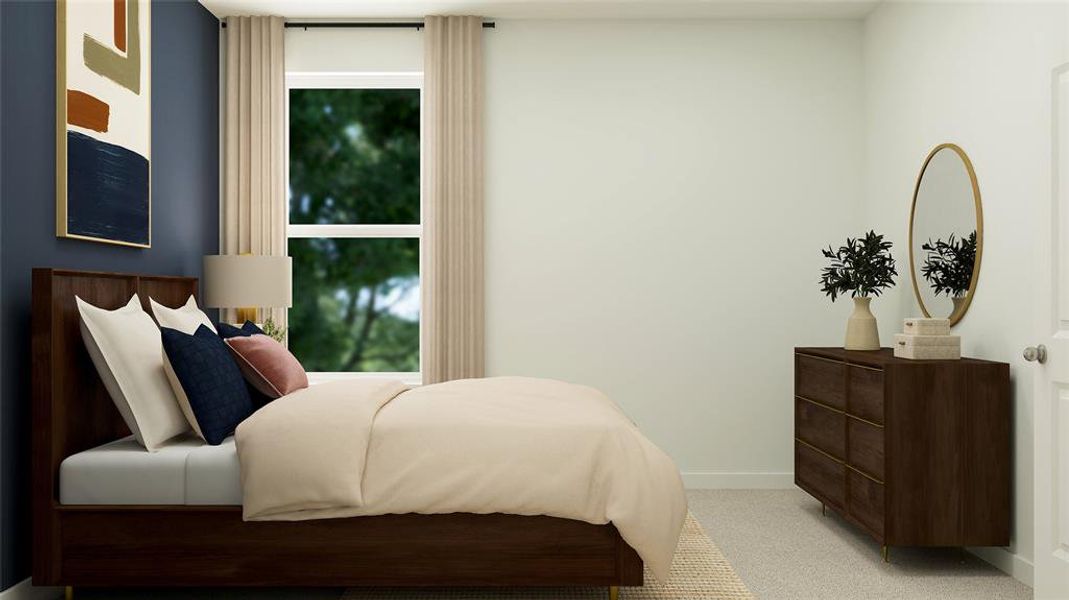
(699, 572)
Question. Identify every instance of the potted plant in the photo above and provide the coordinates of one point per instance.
(864, 268)
(273, 331)
(948, 266)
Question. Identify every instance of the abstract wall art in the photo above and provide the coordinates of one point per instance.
(103, 121)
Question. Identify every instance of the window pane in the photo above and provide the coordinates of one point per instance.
(354, 156)
(355, 304)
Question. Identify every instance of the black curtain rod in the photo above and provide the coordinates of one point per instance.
(361, 24)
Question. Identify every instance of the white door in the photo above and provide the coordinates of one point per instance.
(1051, 362)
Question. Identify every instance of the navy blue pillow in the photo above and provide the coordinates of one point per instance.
(227, 331)
(210, 380)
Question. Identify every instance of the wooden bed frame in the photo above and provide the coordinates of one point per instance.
(177, 546)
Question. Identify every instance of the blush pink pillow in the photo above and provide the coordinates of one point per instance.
(267, 365)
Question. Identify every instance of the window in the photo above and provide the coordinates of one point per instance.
(354, 222)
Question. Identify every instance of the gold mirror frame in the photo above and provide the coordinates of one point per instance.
(956, 316)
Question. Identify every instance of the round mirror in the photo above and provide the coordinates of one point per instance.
(946, 234)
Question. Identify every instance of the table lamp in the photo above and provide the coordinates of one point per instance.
(245, 281)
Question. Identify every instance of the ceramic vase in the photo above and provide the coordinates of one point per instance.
(861, 331)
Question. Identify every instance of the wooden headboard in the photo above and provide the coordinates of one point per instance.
(71, 409)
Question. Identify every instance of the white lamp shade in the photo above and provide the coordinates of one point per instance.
(244, 280)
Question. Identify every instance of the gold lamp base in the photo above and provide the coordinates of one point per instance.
(246, 314)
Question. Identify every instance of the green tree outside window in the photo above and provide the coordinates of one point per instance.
(354, 159)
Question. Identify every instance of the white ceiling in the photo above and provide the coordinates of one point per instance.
(547, 9)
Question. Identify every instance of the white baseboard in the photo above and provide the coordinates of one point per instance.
(23, 590)
(1014, 565)
(720, 480)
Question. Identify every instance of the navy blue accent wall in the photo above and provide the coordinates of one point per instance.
(185, 204)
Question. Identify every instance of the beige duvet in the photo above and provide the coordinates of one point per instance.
(500, 445)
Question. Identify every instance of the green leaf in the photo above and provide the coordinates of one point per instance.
(861, 267)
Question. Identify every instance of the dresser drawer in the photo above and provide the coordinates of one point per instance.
(820, 475)
(820, 426)
(821, 380)
(865, 448)
(866, 502)
(866, 394)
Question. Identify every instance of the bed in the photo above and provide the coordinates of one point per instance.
(189, 531)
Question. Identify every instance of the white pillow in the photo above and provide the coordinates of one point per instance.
(185, 319)
(126, 348)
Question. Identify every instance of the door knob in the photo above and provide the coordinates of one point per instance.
(1036, 354)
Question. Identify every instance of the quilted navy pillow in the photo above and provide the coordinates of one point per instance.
(227, 331)
(207, 381)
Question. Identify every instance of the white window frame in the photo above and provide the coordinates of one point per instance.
(359, 80)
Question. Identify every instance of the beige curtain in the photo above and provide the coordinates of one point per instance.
(452, 268)
(254, 214)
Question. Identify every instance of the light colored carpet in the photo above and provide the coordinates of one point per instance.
(783, 548)
(699, 572)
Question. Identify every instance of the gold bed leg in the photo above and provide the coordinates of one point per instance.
(823, 509)
(614, 592)
(886, 552)
(68, 593)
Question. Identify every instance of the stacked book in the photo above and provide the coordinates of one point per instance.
(927, 339)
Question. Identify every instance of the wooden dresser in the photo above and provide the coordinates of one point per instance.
(914, 452)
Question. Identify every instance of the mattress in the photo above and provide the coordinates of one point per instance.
(184, 471)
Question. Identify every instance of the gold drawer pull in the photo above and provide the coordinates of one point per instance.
(864, 474)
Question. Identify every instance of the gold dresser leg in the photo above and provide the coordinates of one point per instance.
(68, 593)
(886, 552)
(614, 592)
(823, 509)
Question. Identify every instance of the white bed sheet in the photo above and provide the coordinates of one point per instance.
(185, 471)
